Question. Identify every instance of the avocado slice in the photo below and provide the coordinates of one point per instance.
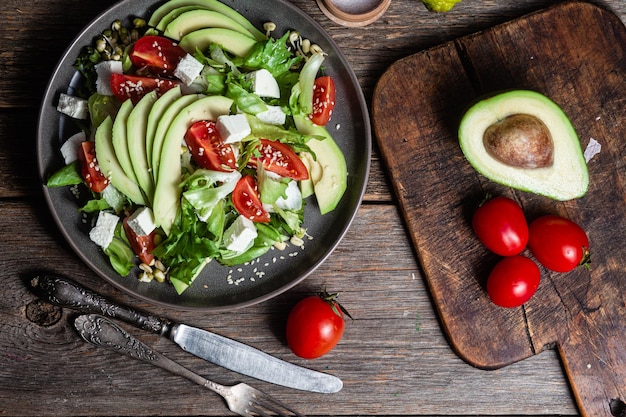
(136, 128)
(488, 143)
(229, 39)
(163, 125)
(328, 173)
(215, 5)
(156, 113)
(120, 139)
(110, 165)
(167, 192)
(171, 15)
(201, 19)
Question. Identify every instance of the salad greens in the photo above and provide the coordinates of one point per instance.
(207, 225)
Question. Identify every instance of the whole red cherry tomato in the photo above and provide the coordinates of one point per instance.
(513, 281)
(558, 243)
(500, 225)
(315, 325)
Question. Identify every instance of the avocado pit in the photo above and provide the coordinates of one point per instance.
(521, 141)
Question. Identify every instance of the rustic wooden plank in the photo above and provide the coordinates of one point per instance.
(393, 359)
(584, 71)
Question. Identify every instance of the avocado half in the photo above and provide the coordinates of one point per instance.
(565, 177)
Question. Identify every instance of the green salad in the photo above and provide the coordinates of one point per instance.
(201, 138)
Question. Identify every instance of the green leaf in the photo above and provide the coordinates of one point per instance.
(68, 175)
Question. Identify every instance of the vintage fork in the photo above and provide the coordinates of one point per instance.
(241, 398)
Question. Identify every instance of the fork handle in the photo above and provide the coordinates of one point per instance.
(102, 332)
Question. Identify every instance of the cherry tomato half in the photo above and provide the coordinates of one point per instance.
(513, 281)
(314, 326)
(89, 169)
(324, 94)
(142, 245)
(558, 243)
(157, 54)
(208, 149)
(280, 159)
(247, 202)
(500, 225)
(134, 87)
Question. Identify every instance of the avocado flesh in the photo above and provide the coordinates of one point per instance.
(230, 40)
(156, 113)
(201, 19)
(167, 191)
(163, 125)
(120, 139)
(567, 178)
(328, 173)
(215, 5)
(110, 165)
(171, 15)
(136, 128)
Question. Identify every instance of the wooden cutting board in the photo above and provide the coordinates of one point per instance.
(575, 53)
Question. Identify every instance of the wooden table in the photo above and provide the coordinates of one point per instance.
(394, 358)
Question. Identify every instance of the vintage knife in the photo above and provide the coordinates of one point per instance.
(214, 348)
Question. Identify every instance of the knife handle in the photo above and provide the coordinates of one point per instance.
(65, 292)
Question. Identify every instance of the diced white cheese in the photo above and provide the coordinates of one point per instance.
(142, 221)
(102, 234)
(73, 106)
(264, 84)
(233, 128)
(274, 115)
(70, 147)
(188, 69)
(104, 70)
(114, 197)
(293, 200)
(240, 235)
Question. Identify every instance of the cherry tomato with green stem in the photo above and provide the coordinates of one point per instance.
(558, 243)
(315, 325)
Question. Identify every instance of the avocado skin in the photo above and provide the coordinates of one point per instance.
(566, 179)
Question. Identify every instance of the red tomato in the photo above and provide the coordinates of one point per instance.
(247, 202)
(142, 245)
(208, 149)
(158, 54)
(558, 243)
(324, 93)
(500, 225)
(134, 87)
(314, 326)
(89, 169)
(281, 159)
(513, 281)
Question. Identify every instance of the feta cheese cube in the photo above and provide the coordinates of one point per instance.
(74, 107)
(102, 234)
(70, 147)
(104, 70)
(264, 84)
(240, 235)
(233, 128)
(274, 115)
(142, 221)
(188, 69)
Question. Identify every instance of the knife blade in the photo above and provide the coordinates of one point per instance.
(209, 346)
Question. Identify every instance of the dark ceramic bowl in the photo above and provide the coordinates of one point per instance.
(218, 287)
